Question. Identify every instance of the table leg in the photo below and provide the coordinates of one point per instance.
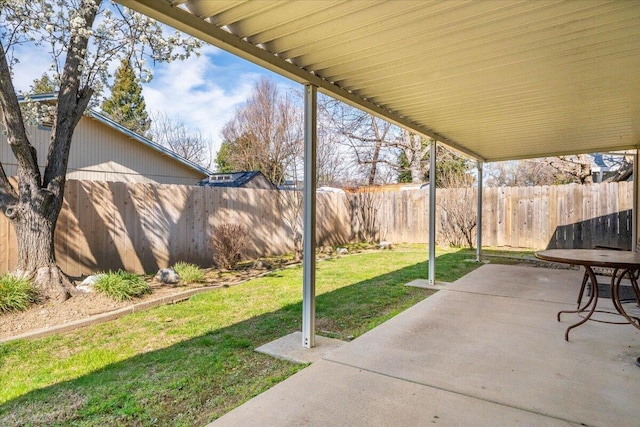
(615, 297)
(592, 303)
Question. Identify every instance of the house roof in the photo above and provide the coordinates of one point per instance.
(496, 80)
(136, 137)
(235, 179)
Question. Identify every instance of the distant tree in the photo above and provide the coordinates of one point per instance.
(224, 161)
(413, 149)
(264, 134)
(369, 139)
(126, 104)
(83, 38)
(575, 169)
(545, 171)
(331, 167)
(43, 85)
(451, 168)
(174, 134)
(521, 173)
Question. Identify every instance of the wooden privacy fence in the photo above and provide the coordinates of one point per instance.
(567, 216)
(143, 227)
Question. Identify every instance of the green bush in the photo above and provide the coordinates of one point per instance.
(121, 285)
(189, 273)
(16, 294)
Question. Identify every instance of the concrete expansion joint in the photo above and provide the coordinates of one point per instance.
(407, 380)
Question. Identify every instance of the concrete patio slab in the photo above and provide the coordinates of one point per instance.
(487, 350)
(290, 348)
(329, 394)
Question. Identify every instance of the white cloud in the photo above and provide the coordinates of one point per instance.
(192, 91)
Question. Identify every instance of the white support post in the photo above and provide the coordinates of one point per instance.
(634, 211)
(432, 213)
(479, 214)
(309, 200)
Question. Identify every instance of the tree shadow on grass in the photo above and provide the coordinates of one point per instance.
(197, 380)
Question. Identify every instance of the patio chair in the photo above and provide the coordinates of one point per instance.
(611, 273)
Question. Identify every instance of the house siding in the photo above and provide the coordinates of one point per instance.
(101, 153)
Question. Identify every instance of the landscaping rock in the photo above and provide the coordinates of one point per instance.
(342, 251)
(168, 276)
(262, 265)
(386, 245)
(92, 280)
(88, 283)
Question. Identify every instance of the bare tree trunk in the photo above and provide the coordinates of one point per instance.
(373, 169)
(36, 255)
(415, 162)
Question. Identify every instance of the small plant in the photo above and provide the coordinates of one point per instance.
(229, 242)
(189, 273)
(16, 294)
(122, 285)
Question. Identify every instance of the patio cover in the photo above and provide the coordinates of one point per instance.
(496, 80)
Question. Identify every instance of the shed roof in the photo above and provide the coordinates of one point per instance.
(494, 79)
(234, 179)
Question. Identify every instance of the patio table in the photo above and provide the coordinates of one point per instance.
(623, 263)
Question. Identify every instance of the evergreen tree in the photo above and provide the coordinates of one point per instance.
(224, 159)
(450, 167)
(43, 85)
(126, 105)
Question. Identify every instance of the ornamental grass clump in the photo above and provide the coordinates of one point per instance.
(16, 294)
(189, 273)
(122, 285)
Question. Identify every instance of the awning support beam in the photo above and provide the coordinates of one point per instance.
(309, 225)
(479, 165)
(432, 213)
(634, 211)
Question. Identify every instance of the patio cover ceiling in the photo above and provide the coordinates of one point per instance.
(496, 80)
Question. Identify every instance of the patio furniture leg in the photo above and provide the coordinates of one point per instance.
(584, 284)
(593, 302)
(615, 293)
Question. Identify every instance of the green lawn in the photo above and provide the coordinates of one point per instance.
(189, 363)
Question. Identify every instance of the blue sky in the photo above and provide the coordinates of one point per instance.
(205, 91)
(202, 91)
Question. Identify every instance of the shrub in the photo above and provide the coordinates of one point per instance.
(122, 285)
(16, 294)
(228, 244)
(189, 273)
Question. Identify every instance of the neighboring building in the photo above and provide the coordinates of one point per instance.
(103, 150)
(611, 167)
(246, 179)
